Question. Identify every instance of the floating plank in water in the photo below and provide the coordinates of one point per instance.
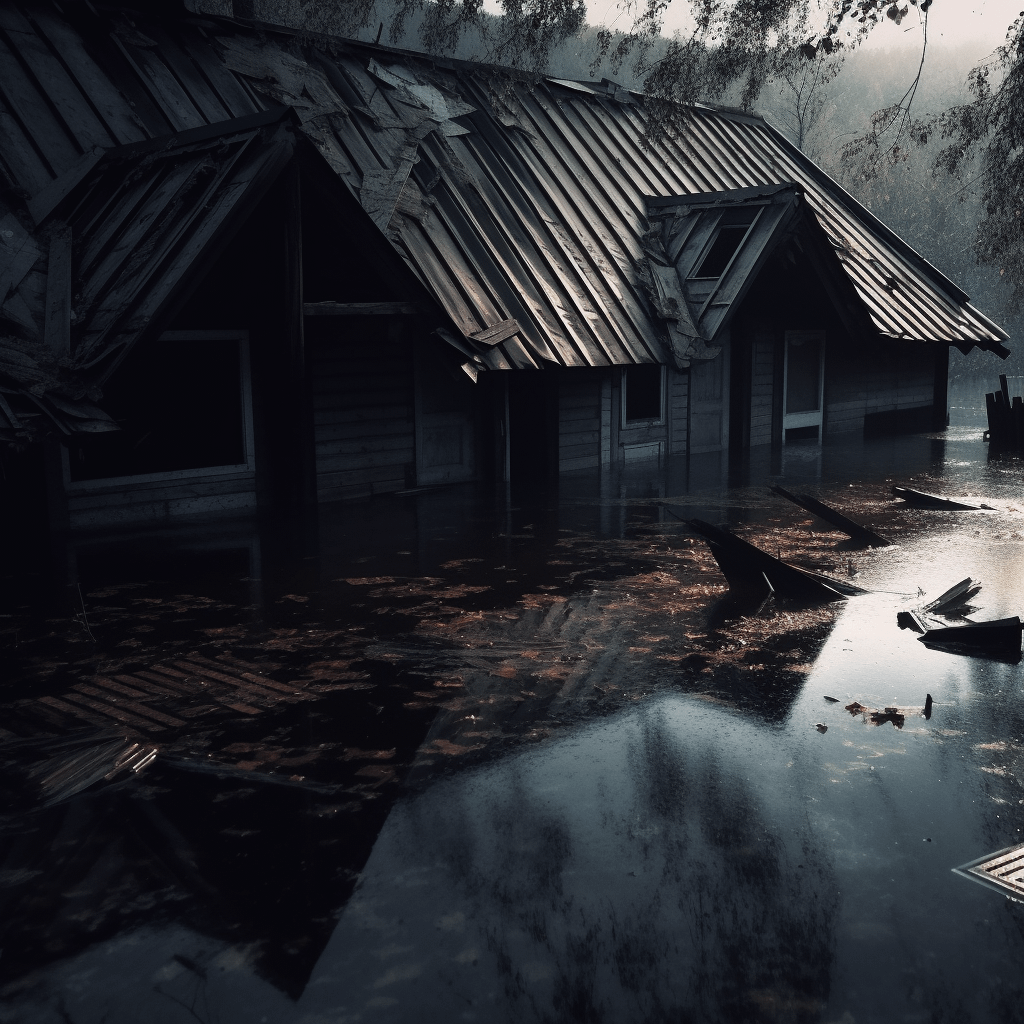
(747, 568)
(1000, 636)
(831, 515)
(44, 772)
(956, 597)
(921, 499)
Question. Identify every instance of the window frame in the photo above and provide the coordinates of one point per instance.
(247, 467)
(647, 421)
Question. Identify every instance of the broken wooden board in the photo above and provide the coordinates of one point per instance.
(998, 636)
(747, 568)
(911, 620)
(43, 772)
(818, 508)
(921, 499)
(956, 597)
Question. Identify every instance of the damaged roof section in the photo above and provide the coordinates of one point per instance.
(147, 214)
(522, 207)
(529, 202)
(705, 252)
(121, 242)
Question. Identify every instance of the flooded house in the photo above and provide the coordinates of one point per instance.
(241, 267)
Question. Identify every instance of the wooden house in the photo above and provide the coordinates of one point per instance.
(240, 267)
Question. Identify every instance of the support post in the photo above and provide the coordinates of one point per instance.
(940, 399)
(302, 486)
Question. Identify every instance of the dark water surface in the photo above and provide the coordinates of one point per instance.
(465, 756)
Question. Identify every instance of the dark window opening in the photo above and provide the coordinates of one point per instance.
(179, 406)
(643, 392)
(732, 229)
(803, 374)
(802, 433)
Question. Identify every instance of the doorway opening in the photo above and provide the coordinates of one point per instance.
(803, 385)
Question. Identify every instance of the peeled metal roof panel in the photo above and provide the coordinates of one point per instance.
(1002, 871)
(536, 210)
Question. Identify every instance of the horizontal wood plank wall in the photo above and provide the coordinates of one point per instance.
(139, 500)
(881, 377)
(579, 420)
(678, 399)
(363, 406)
(639, 441)
(762, 387)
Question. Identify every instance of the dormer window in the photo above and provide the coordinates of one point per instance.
(732, 229)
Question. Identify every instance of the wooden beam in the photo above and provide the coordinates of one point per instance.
(302, 431)
(361, 308)
(47, 199)
(497, 333)
(57, 328)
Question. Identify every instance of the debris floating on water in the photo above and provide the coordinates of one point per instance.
(818, 508)
(954, 599)
(748, 569)
(44, 772)
(921, 499)
(1000, 637)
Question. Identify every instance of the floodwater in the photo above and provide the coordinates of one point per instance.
(466, 756)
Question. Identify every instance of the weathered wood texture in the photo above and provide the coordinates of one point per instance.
(861, 380)
(579, 420)
(139, 500)
(363, 409)
(606, 420)
(677, 402)
(762, 387)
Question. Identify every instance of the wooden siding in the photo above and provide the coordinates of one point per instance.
(582, 420)
(137, 499)
(879, 378)
(678, 405)
(606, 421)
(363, 409)
(762, 387)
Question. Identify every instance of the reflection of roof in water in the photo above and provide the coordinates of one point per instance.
(633, 870)
(213, 854)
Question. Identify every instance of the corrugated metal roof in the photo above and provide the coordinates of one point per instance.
(517, 205)
(146, 214)
(528, 203)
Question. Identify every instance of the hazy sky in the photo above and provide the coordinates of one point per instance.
(950, 22)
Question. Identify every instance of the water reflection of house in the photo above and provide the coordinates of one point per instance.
(297, 272)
